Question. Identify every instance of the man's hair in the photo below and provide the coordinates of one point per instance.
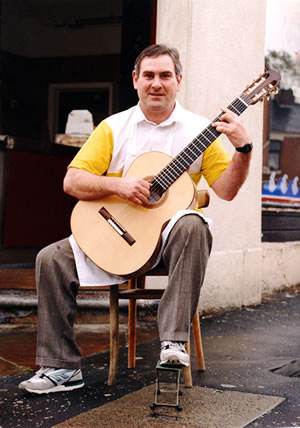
(155, 51)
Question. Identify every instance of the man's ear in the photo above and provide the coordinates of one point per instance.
(134, 79)
(179, 83)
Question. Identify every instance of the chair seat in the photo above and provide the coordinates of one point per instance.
(138, 293)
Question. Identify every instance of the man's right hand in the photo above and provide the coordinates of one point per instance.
(86, 186)
(135, 190)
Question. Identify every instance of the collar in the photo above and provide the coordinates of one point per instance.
(175, 116)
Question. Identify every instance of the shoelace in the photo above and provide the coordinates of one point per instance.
(58, 378)
(42, 371)
(177, 345)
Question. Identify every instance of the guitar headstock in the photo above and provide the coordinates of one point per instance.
(266, 84)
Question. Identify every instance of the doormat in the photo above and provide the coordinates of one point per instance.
(201, 407)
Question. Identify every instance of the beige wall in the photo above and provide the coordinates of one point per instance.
(222, 50)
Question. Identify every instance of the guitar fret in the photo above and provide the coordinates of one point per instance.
(190, 148)
(161, 183)
(191, 158)
(206, 138)
(191, 152)
(180, 164)
(238, 106)
(235, 110)
(196, 152)
(242, 101)
(200, 144)
(213, 131)
(167, 180)
(173, 172)
(156, 185)
(183, 163)
(194, 147)
(176, 167)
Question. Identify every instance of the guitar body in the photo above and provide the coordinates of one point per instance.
(133, 251)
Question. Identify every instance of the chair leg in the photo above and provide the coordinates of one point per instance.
(187, 372)
(114, 333)
(131, 327)
(198, 342)
(131, 333)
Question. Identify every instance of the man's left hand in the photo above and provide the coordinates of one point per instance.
(233, 127)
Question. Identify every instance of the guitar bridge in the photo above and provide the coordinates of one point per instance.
(116, 226)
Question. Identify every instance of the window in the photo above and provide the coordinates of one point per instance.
(65, 97)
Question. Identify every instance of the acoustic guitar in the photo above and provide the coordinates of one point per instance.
(123, 238)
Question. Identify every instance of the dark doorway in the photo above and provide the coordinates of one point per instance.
(93, 42)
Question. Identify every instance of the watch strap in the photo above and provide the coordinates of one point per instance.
(245, 149)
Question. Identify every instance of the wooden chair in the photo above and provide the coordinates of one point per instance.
(137, 290)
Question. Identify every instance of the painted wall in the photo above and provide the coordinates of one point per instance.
(222, 50)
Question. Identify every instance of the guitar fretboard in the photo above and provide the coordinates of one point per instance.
(177, 166)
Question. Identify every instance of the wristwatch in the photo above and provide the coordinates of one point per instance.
(245, 149)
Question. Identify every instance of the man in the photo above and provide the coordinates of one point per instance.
(158, 122)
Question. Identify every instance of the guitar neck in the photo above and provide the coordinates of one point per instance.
(171, 172)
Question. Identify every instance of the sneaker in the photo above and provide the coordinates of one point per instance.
(174, 354)
(49, 379)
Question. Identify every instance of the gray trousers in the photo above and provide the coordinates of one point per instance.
(185, 256)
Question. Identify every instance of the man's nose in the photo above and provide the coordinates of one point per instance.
(156, 83)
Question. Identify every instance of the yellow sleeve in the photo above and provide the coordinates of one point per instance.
(95, 155)
(215, 160)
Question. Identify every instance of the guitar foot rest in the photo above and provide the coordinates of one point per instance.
(165, 389)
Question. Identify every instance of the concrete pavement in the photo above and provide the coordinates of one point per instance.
(244, 350)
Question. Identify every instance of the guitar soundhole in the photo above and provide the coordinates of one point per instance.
(157, 195)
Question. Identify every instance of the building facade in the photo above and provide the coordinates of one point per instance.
(51, 54)
(223, 50)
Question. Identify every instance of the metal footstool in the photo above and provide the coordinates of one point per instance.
(164, 385)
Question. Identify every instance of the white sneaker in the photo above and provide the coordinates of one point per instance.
(49, 379)
(174, 354)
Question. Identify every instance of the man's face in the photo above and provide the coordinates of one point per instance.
(157, 87)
